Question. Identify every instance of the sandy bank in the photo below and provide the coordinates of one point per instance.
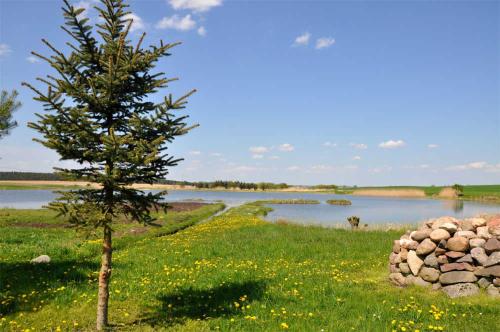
(390, 192)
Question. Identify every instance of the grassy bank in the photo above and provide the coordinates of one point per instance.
(235, 272)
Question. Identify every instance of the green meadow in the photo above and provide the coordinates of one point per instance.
(232, 272)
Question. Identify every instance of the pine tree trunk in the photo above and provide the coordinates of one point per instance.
(104, 276)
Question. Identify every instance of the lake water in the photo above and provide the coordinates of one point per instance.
(371, 210)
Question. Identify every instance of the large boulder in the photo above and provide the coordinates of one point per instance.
(421, 235)
(492, 271)
(493, 259)
(455, 277)
(479, 255)
(429, 274)
(398, 279)
(425, 247)
(414, 262)
(459, 290)
(439, 234)
(492, 245)
(458, 243)
(477, 242)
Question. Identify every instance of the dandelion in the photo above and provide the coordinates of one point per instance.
(284, 326)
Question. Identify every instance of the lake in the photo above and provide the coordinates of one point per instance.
(371, 210)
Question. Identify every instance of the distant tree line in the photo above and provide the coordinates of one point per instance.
(33, 176)
(28, 176)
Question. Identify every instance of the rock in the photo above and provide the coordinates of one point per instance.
(431, 260)
(466, 259)
(460, 290)
(394, 258)
(449, 226)
(436, 286)
(454, 254)
(421, 235)
(493, 259)
(492, 245)
(403, 242)
(466, 225)
(396, 247)
(439, 251)
(413, 245)
(483, 232)
(443, 220)
(494, 226)
(439, 234)
(483, 283)
(456, 267)
(425, 247)
(492, 291)
(429, 274)
(479, 255)
(455, 277)
(442, 259)
(403, 254)
(466, 234)
(477, 242)
(458, 243)
(43, 259)
(417, 281)
(496, 282)
(397, 279)
(414, 262)
(393, 268)
(492, 271)
(405, 268)
(478, 222)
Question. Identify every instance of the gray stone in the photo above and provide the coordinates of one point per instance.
(460, 290)
(43, 259)
(397, 279)
(493, 259)
(439, 234)
(492, 245)
(442, 259)
(479, 255)
(456, 267)
(404, 268)
(425, 247)
(496, 282)
(478, 222)
(429, 274)
(394, 258)
(396, 247)
(477, 242)
(466, 259)
(394, 269)
(449, 227)
(455, 277)
(492, 271)
(403, 254)
(421, 234)
(417, 281)
(431, 260)
(466, 225)
(414, 262)
(483, 232)
(483, 282)
(454, 254)
(466, 234)
(436, 286)
(492, 291)
(458, 243)
(443, 220)
(413, 245)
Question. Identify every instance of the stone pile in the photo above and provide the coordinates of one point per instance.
(456, 256)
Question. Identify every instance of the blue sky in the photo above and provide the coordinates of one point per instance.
(305, 92)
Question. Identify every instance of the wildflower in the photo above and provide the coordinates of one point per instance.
(284, 326)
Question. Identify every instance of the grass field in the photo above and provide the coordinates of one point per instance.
(235, 272)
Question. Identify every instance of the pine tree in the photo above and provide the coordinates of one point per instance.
(97, 114)
(8, 104)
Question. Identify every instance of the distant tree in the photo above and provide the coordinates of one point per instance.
(8, 104)
(353, 221)
(98, 115)
(459, 189)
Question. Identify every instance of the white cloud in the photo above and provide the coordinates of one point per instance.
(177, 23)
(356, 158)
(258, 149)
(195, 152)
(432, 146)
(476, 165)
(216, 154)
(195, 5)
(359, 146)
(137, 22)
(286, 147)
(390, 144)
(85, 5)
(330, 144)
(424, 166)
(381, 169)
(32, 59)
(4, 49)
(324, 42)
(274, 157)
(293, 168)
(302, 40)
(257, 156)
(202, 31)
